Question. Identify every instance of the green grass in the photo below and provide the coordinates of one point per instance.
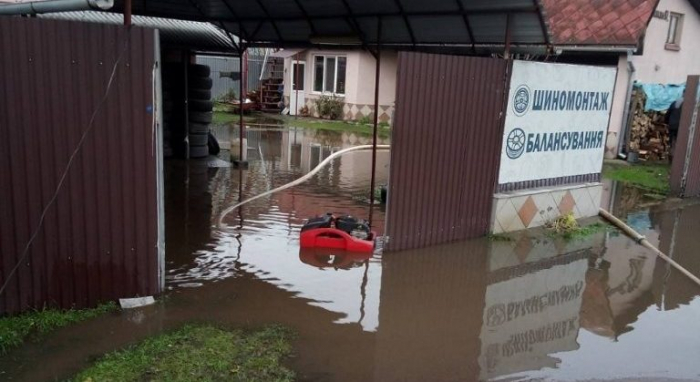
(324, 124)
(585, 231)
(199, 353)
(567, 227)
(14, 330)
(653, 177)
(498, 237)
(222, 117)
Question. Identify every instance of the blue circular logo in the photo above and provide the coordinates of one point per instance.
(515, 143)
(521, 100)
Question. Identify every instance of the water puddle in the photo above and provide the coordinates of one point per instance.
(531, 308)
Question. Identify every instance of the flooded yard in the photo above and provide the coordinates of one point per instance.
(535, 307)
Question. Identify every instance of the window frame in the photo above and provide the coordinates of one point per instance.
(673, 42)
(325, 74)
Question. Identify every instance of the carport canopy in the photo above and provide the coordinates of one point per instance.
(469, 25)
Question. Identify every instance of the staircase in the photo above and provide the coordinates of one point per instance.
(272, 86)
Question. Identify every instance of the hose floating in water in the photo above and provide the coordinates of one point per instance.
(640, 239)
(300, 180)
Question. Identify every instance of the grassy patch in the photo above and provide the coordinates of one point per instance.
(222, 117)
(568, 228)
(585, 231)
(16, 329)
(498, 237)
(334, 125)
(652, 177)
(199, 353)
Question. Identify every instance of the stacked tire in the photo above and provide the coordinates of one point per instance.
(199, 107)
(174, 133)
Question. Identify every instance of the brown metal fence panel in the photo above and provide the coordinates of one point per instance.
(685, 169)
(98, 239)
(445, 148)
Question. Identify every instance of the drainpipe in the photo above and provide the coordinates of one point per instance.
(627, 116)
(36, 7)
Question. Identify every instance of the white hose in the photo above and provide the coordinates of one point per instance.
(300, 180)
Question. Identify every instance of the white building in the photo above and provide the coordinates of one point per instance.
(671, 46)
(346, 74)
(667, 54)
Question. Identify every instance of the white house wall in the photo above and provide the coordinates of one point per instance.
(659, 65)
(359, 86)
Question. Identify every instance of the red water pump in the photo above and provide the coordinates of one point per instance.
(342, 232)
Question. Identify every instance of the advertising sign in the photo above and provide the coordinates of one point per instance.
(556, 121)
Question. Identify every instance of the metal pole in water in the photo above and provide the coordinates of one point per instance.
(295, 83)
(241, 162)
(640, 239)
(376, 119)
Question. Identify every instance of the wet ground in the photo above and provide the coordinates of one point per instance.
(534, 308)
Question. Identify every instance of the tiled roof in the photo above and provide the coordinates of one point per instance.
(597, 22)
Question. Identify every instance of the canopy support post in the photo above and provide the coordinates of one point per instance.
(241, 162)
(127, 13)
(295, 83)
(377, 58)
(506, 52)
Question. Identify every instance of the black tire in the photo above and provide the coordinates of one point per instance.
(172, 67)
(201, 117)
(199, 140)
(200, 83)
(171, 89)
(168, 106)
(214, 148)
(197, 70)
(199, 151)
(199, 105)
(199, 128)
(200, 94)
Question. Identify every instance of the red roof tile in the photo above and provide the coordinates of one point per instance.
(598, 22)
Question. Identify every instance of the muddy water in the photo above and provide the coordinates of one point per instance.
(534, 308)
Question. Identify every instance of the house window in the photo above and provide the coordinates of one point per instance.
(675, 26)
(329, 74)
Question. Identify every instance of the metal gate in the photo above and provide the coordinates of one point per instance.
(445, 148)
(77, 93)
(685, 170)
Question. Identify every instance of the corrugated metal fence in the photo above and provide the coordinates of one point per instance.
(445, 148)
(685, 170)
(222, 85)
(218, 65)
(99, 239)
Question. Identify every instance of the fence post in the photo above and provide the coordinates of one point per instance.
(683, 170)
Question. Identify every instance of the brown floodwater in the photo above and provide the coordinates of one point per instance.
(533, 308)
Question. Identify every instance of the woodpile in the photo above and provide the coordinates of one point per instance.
(649, 133)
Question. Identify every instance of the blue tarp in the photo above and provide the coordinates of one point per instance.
(660, 97)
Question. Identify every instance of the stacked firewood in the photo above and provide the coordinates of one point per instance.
(649, 133)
